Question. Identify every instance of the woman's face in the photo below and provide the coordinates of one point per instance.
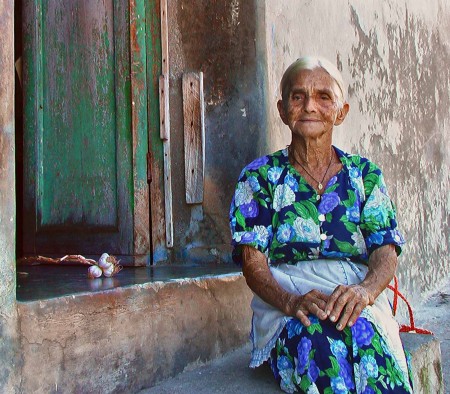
(311, 108)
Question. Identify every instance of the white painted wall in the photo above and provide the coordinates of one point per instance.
(395, 59)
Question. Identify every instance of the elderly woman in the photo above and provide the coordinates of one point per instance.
(317, 237)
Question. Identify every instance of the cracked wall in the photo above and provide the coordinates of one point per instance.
(394, 58)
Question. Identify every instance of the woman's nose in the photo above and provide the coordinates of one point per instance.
(309, 104)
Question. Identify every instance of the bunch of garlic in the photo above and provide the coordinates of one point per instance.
(107, 265)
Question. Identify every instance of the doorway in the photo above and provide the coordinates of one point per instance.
(82, 183)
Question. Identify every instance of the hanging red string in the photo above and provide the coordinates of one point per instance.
(412, 325)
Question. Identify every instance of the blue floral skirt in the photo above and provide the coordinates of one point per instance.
(321, 359)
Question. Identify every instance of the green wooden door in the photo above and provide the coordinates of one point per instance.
(78, 175)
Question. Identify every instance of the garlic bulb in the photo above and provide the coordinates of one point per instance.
(108, 270)
(94, 271)
(103, 261)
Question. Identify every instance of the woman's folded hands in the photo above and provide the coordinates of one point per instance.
(342, 307)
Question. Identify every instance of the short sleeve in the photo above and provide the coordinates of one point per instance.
(250, 211)
(378, 216)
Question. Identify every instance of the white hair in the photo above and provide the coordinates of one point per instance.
(311, 63)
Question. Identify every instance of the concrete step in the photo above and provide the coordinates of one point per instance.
(146, 326)
(122, 339)
(230, 374)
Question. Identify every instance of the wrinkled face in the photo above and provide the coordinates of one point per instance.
(311, 108)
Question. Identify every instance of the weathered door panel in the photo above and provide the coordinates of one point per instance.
(78, 191)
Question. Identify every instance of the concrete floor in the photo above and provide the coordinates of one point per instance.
(230, 374)
(435, 316)
(226, 375)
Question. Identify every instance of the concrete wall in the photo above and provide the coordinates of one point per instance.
(126, 339)
(9, 340)
(394, 58)
(219, 39)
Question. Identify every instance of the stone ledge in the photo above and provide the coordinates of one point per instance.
(426, 362)
(230, 374)
(127, 338)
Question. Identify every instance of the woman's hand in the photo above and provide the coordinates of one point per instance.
(346, 303)
(300, 306)
(261, 281)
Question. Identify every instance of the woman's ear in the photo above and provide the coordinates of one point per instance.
(342, 113)
(282, 111)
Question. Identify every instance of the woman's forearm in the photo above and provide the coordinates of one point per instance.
(382, 266)
(261, 281)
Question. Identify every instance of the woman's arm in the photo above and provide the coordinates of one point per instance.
(347, 302)
(261, 282)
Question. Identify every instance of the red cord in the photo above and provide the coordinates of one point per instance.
(412, 326)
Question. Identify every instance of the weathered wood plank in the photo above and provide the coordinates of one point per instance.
(165, 123)
(165, 136)
(139, 122)
(164, 116)
(194, 136)
(77, 141)
(164, 38)
(156, 164)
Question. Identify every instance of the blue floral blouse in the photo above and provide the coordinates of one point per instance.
(277, 212)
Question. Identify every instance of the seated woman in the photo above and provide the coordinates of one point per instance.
(316, 234)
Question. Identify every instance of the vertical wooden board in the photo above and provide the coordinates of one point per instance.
(194, 156)
(165, 124)
(141, 224)
(164, 38)
(168, 193)
(165, 136)
(154, 67)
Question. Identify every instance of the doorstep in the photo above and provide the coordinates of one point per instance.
(40, 282)
(150, 325)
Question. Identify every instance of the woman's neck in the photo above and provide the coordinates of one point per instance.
(312, 154)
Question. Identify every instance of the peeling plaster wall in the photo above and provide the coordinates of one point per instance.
(219, 39)
(394, 58)
(9, 341)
